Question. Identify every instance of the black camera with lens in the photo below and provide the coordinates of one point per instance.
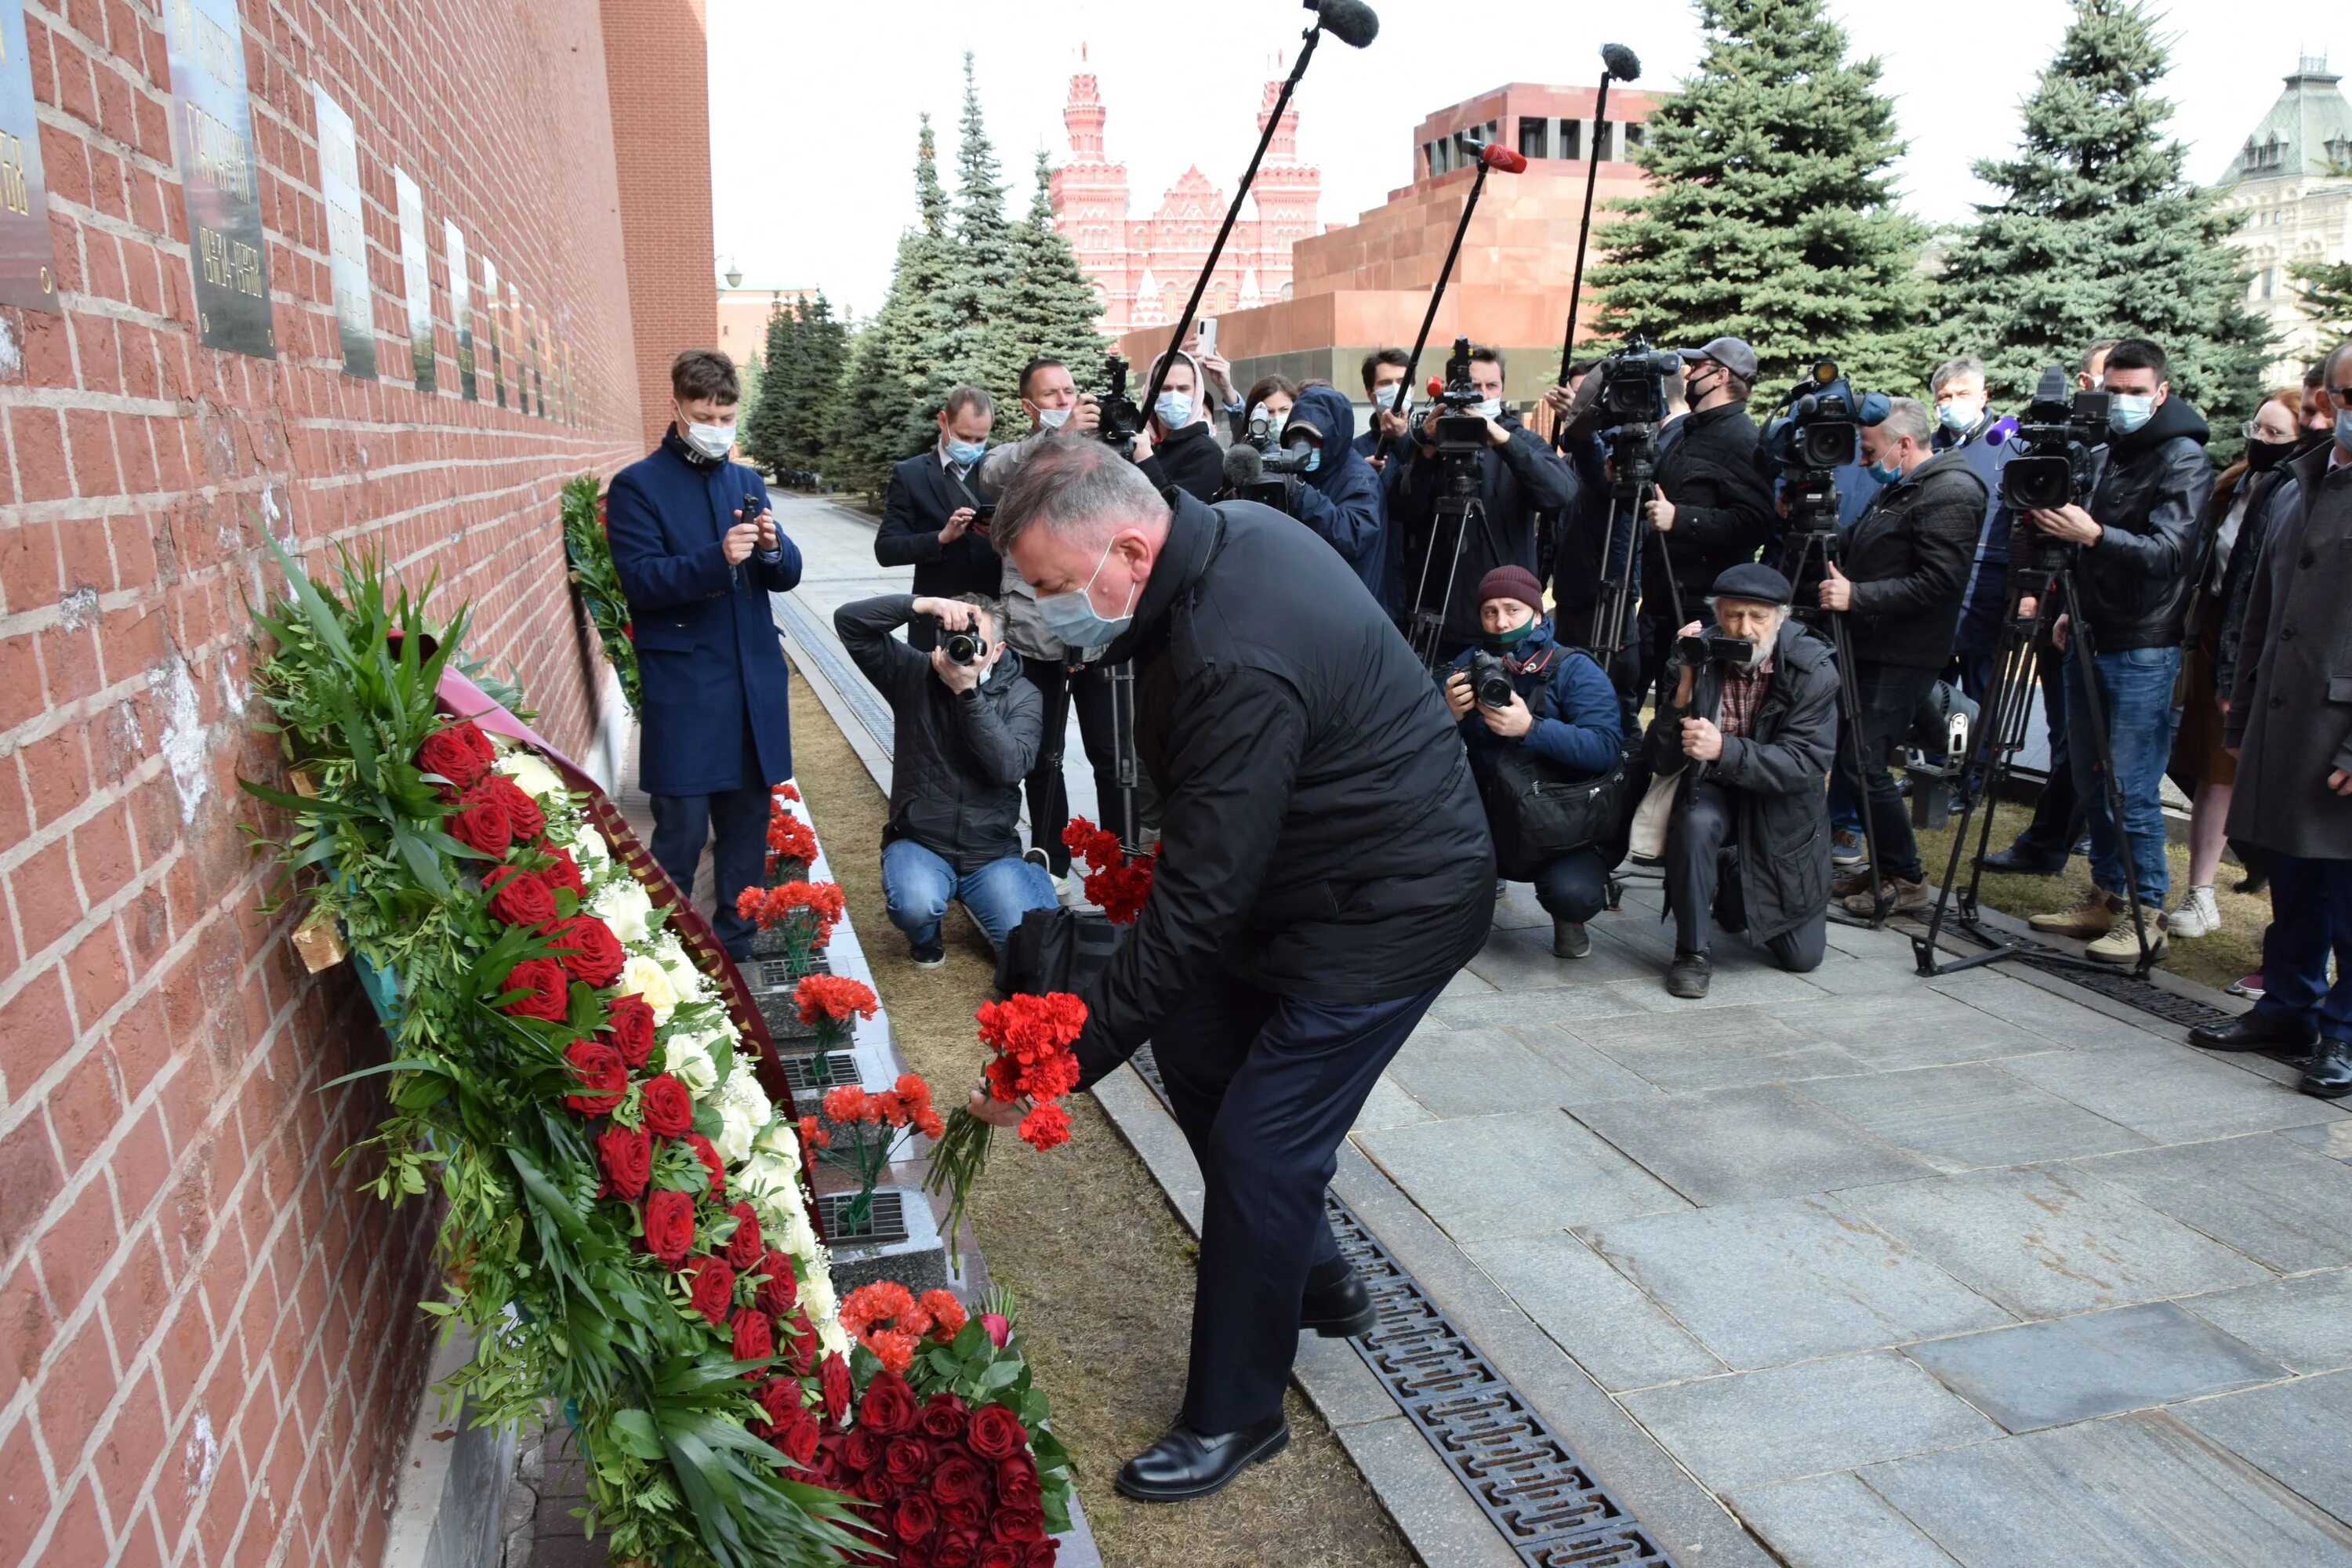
(1120, 419)
(1634, 383)
(1698, 648)
(2050, 456)
(1461, 430)
(1490, 683)
(967, 646)
(1820, 433)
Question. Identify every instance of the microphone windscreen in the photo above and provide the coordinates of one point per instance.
(1502, 158)
(1243, 464)
(1622, 63)
(1436, 384)
(1352, 22)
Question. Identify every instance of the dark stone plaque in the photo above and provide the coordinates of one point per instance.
(212, 126)
(28, 273)
(461, 307)
(346, 260)
(415, 282)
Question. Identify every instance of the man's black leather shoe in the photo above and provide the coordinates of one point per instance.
(2329, 1073)
(1688, 975)
(1186, 1463)
(2024, 862)
(2256, 1032)
(1340, 1309)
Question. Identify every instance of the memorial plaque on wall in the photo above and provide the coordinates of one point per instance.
(346, 260)
(28, 273)
(415, 282)
(492, 338)
(534, 399)
(461, 307)
(212, 128)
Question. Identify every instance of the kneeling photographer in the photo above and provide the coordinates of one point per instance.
(1905, 574)
(1747, 737)
(1519, 695)
(968, 729)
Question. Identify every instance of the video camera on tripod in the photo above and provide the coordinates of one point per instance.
(1820, 433)
(1630, 406)
(1462, 446)
(2050, 466)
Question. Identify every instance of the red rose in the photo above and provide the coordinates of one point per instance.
(943, 1415)
(833, 1377)
(778, 1397)
(711, 1165)
(873, 1486)
(451, 754)
(796, 1435)
(481, 823)
(1040, 1553)
(589, 951)
(996, 1433)
(744, 1248)
(755, 1337)
(888, 1405)
(1000, 1554)
(522, 812)
(547, 992)
(957, 1481)
(629, 1028)
(669, 1227)
(959, 1549)
(779, 1292)
(913, 1518)
(905, 1461)
(1016, 1482)
(518, 898)
(862, 1450)
(602, 1077)
(626, 1155)
(669, 1109)
(999, 1327)
(714, 1289)
(1023, 1524)
(563, 872)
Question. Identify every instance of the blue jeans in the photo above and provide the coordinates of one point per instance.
(917, 885)
(2136, 695)
(2310, 915)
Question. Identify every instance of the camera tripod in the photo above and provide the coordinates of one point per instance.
(1629, 499)
(2007, 706)
(1426, 629)
(1807, 545)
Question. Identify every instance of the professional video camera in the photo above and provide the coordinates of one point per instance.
(1490, 683)
(1634, 383)
(2051, 467)
(1266, 478)
(1461, 432)
(1820, 433)
(1121, 418)
(1698, 648)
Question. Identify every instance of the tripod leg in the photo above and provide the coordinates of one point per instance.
(2086, 668)
(1858, 751)
(1993, 747)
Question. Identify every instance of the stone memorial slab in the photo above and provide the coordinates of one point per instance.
(1961, 1118)
(28, 271)
(461, 308)
(2098, 1363)
(1735, 1145)
(1767, 1283)
(1486, 1177)
(2044, 1242)
(2299, 1434)
(2274, 1200)
(347, 257)
(1757, 1426)
(1834, 1522)
(2306, 1323)
(211, 132)
(1597, 1316)
(416, 282)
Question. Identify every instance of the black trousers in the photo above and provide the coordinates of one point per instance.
(1889, 695)
(739, 860)
(1049, 794)
(1574, 886)
(1703, 874)
(1265, 1087)
(2058, 820)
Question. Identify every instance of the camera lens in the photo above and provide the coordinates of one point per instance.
(963, 647)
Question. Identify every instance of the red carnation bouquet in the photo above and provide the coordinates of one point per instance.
(792, 846)
(1117, 881)
(803, 913)
(1030, 1037)
(904, 1109)
(826, 1003)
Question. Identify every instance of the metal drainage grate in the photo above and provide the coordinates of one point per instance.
(818, 1071)
(1544, 1504)
(887, 1223)
(2117, 985)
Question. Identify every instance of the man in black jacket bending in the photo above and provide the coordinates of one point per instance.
(1901, 587)
(936, 516)
(1324, 870)
(965, 736)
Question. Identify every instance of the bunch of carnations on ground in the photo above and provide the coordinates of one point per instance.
(791, 844)
(938, 1432)
(1029, 1038)
(904, 1109)
(829, 1002)
(803, 913)
(1118, 882)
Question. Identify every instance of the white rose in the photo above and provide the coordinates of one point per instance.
(792, 1223)
(684, 978)
(687, 1060)
(779, 1140)
(818, 1293)
(624, 906)
(588, 846)
(537, 779)
(830, 1335)
(643, 977)
(743, 1109)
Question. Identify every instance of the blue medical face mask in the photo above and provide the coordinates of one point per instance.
(1175, 410)
(1883, 476)
(2344, 429)
(2127, 411)
(964, 454)
(1072, 616)
(1314, 456)
(1958, 413)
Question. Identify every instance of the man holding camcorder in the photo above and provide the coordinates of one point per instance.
(966, 735)
(2136, 564)
(1521, 694)
(936, 517)
(1749, 730)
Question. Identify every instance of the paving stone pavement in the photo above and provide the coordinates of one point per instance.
(1976, 1272)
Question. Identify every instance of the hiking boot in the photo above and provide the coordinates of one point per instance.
(1846, 850)
(2121, 944)
(1570, 939)
(1688, 975)
(1898, 897)
(2197, 915)
(2095, 916)
(1850, 884)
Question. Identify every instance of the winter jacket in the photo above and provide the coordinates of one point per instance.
(1342, 499)
(2275, 496)
(2148, 494)
(1581, 531)
(1518, 479)
(1579, 723)
(1779, 771)
(923, 495)
(1189, 459)
(2290, 709)
(1322, 835)
(1985, 447)
(957, 758)
(1908, 557)
(1724, 510)
(704, 632)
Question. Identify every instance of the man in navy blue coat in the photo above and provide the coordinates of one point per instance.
(935, 517)
(697, 554)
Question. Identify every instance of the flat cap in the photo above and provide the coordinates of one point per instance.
(1753, 581)
(1731, 353)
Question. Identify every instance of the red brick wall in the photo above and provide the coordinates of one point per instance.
(212, 1351)
(660, 67)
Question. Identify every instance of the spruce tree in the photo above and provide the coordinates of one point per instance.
(981, 286)
(1053, 309)
(1772, 215)
(764, 426)
(885, 402)
(2327, 290)
(813, 377)
(2099, 236)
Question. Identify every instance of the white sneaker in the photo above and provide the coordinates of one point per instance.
(2197, 915)
(1070, 891)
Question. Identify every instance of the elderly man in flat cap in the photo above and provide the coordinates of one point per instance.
(1749, 729)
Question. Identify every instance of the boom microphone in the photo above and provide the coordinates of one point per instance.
(1621, 62)
(1352, 22)
(1244, 466)
(1496, 156)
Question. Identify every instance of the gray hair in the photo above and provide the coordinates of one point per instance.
(1074, 486)
(2336, 356)
(988, 603)
(1908, 417)
(2099, 350)
(969, 397)
(1952, 370)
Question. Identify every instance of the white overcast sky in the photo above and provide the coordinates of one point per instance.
(814, 105)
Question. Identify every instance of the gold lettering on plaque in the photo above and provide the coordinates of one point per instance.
(15, 194)
(219, 154)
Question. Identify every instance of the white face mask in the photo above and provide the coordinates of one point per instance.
(710, 440)
(1052, 418)
(1491, 408)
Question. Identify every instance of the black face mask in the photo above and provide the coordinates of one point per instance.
(2311, 440)
(2262, 456)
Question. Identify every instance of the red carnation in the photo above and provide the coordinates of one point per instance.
(563, 872)
(946, 1312)
(669, 1227)
(714, 1289)
(481, 823)
(913, 1518)
(957, 1481)
(590, 952)
(626, 1155)
(518, 898)
(629, 1028)
(996, 1433)
(755, 1337)
(943, 1415)
(547, 992)
(711, 1164)
(522, 812)
(460, 753)
(668, 1108)
(604, 1080)
(1046, 1126)
(744, 1248)
(832, 1379)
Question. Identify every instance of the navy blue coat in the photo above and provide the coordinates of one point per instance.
(1342, 500)
(1580, 724)
(715, 683)
(922, 497)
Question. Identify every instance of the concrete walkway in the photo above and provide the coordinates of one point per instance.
(1979, 1271)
